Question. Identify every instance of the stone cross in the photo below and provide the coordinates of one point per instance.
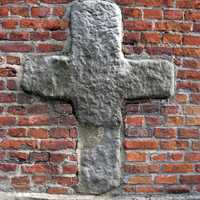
(97, 78)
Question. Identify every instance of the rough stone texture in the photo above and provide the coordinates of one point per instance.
(97, 78)
(28, 196)
(99, 159)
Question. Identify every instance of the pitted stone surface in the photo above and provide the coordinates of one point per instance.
(97, 78)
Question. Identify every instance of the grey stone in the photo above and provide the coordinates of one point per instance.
(39, 196)
(97, 78)
(99, 159)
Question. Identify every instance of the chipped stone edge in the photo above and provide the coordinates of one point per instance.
(41, 196)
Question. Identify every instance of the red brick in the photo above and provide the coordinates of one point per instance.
(192, 110)
(172, 38)
(181, 98)
(73, 133)
(152, 14)
(39, 156)
(16, 110)
(173, 14)
(190, 52)
(147, 168)
(58, 158)
(70, 169)
(176, 157)
(13, 60)
(174, 145)
(151, 37)
(187, 4)
(7, 121)
(55, 2)
(18, 144)
(131, 38)
(59, 11)
(190, 179)
(192, 15)
(11, 85)
(8, 72)
(65, 181)
(7, 98)
(144, 180)
(135, 156)
(193, 121)
(58, 35)
(134, 120)
(59, 133)
(196, 145)
(57, 145)
(154, 3)
(177, 168)
(39, 180)
(125, 2)
(177, 189)
(40, 169)
(191, 63)
(188, 85)
(197, 167)
(139, 132)
(39, 36)
(195, 98)
(10, 24)
(188, 74)
(132, 12)
(17, 36)
(187, 133)
(57, 190)
(137, 25)
(159, 157)
(159, 50)
(4, 11)
(21, 11)
(148, 189)
(33, 120)
(3, 36)
(39, 133)
(175, 120)
(165, 132)
(21, 183)
(17, 132)
(173, 26)
(16, 47)
(40, 11)
(192, 157)
(170, 109)
(191, 40)
(6, 167)
(19, 156)
(54, 25)
(140, 144)
(166, 180)
(196, 27)
(44, 48)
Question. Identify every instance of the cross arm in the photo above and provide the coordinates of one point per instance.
(149, 78)
(47, 76)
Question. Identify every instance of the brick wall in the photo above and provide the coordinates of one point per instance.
(38, 137)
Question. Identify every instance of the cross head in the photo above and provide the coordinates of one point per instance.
(97, 78)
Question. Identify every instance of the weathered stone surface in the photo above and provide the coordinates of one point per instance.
(99, 159)
(31, 196)
(97, 78)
